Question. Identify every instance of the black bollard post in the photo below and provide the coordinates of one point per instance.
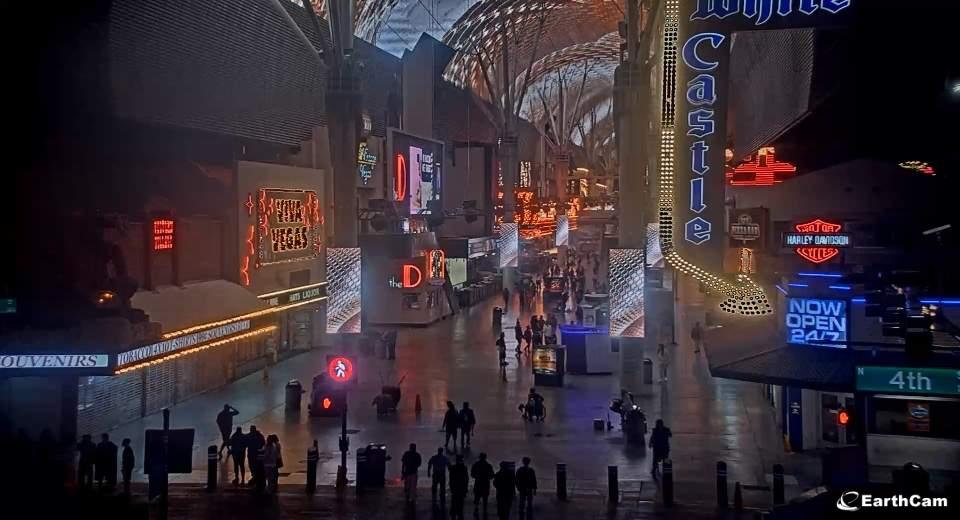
(260, 475)
(668, 482)
(561, 481)
(212, 468)
(313, 457)
(737, 497)
(777, 484)
(722, 484)
(613, 485)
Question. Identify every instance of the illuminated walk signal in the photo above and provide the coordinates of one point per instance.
(843, 417)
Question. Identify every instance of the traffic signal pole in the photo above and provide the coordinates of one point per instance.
(344, 447)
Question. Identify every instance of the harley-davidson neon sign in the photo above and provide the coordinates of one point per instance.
(817, 240)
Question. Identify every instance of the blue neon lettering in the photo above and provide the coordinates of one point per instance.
(809, 320)
(696, 195)
(690, 56)
(784, 7)
(702, 90)
(834, 6)
(698, 161)
(697, 231)
(808, 6)
(701, 123)
(715, 8)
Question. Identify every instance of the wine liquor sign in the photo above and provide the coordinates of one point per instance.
(696, 47)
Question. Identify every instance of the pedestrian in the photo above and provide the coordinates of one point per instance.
(579, 315)
(696, 334)
(225, 424)
(128, 461)
(467, 421)
(272, 462)
(526, 487)
(255, 443)
(482, 473)
(505, 484)
(409, 465)
(106, 463)
(506, 299)
(528, 337)
(451, 423)
(88, 456)
(238, 447)
(437, 468)
(502, 351)
(459, 483)
(660, 442)
(662, 356)
(518, 331)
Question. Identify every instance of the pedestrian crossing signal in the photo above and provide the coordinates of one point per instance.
(843, 418)
(326, 403)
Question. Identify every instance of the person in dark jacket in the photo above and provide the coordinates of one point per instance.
(88, 456)
(660, 442)
(467, 421)
(225, 424)
(106, 462)
(482, 473)
(526, 487)
(518, 331)
(451, 423)
(409, 465)
(237, 450)
(505, 484)
(128, 461)
(459, 483)
(528, 337)
(255, 443)
(437, 468)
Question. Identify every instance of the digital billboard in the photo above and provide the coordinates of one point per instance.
(811, 320)
(457, 270)
(343, 290)
(509, 245)
(563, 231)
(627, 311)
(416, 163)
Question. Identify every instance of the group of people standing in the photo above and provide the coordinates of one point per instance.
(536, 332)
(99, 461)
(263, 455)
(507, 483)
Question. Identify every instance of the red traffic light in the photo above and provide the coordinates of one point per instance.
(843, 418)
(340, 369)
(326, 403)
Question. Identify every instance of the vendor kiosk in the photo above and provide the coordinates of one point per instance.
(588, 349)
(549, 362)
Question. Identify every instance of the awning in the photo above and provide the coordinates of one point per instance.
(803, 366)
(176, 308)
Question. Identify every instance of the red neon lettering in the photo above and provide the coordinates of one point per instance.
(408, 271)
(400, 177)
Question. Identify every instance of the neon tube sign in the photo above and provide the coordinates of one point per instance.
(817, 240)
(400, 177)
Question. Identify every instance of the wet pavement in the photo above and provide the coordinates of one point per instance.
(456, 359)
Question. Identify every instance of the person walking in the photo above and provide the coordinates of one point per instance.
(451, 423)
(696, 334)
(467, 421)
(437, 468)
(526, 487)
(502, 352)
(662, 357)
(225, 424)
(128, 461)
(106, 463)
(272, 462)
(238, 447)
(482, 473)
(88, 456)
(459, 484)
(505, 484)
(528, 336)
(660, 442)
(255, 442)
(409, 465)
(518, 331)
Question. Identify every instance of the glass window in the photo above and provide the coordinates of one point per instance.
(915, 417)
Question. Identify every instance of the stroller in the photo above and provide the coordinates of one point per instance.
(533, 409)
(388, 399)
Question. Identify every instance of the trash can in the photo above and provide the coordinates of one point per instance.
(497, 317)
(647, 371)
(635, 426)
(372, 466)
(294, 391)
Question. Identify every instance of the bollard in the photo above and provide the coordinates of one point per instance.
(777, 484)
(313, 457)
(722, 484)
(668, 482)
(737, 497)
(260, 475)
(212, 457)
(561, 481)
(613, 485)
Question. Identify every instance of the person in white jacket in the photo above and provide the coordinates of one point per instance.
(272, 462)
